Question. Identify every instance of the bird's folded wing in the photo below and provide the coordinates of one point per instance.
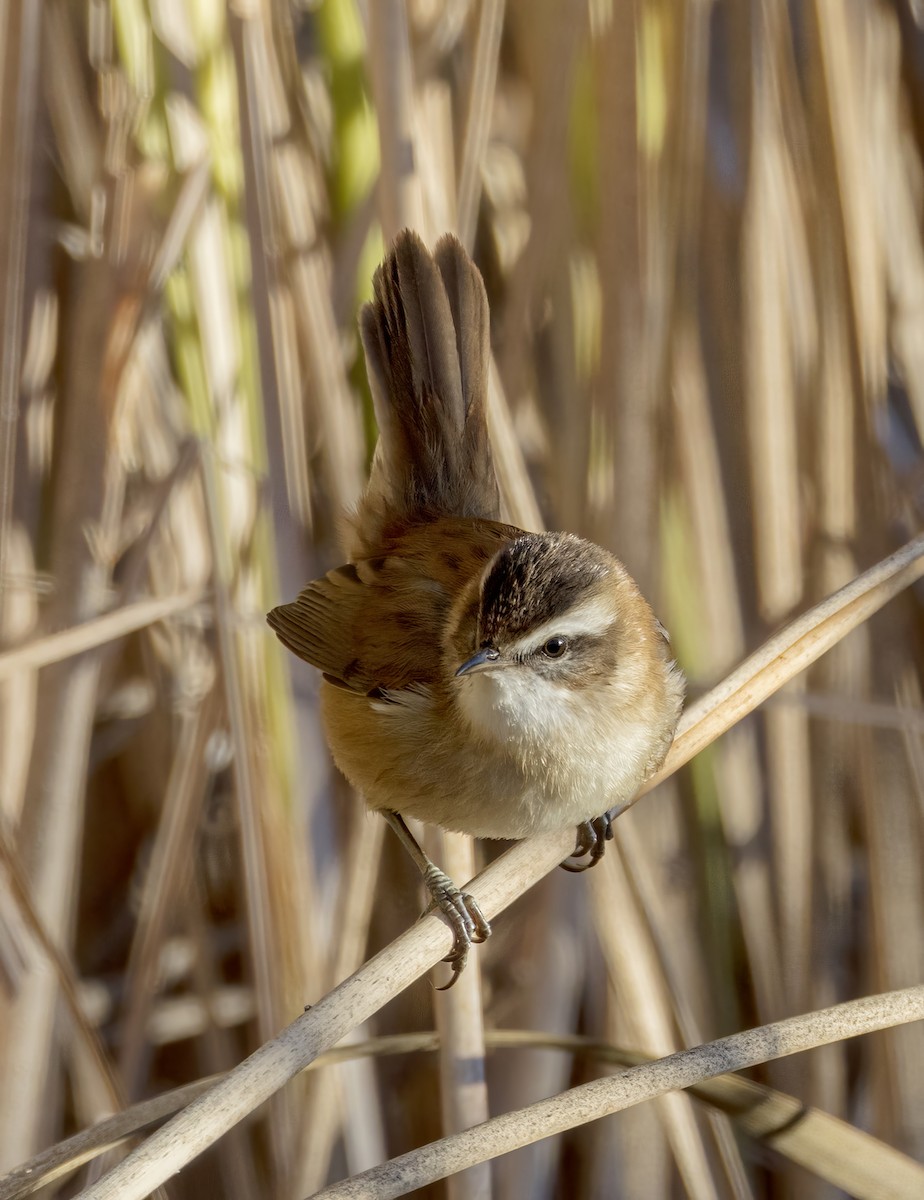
(379, 624)
(363, 631)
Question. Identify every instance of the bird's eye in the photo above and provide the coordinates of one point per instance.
(555, 647)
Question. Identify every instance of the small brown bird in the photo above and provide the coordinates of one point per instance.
(495, 682)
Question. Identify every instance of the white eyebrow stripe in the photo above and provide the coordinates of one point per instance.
(593, 616)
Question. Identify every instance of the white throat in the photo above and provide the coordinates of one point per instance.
(514, 703)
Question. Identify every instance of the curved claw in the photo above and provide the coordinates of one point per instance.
(468, 923)
(592, 837)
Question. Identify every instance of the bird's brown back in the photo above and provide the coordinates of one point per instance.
(427, 523)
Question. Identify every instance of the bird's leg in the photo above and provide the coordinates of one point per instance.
(467, 921)
(592, 837)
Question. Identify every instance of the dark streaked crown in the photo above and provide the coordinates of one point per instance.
(538, 577)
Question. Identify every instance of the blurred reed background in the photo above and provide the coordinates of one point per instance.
(700, 228)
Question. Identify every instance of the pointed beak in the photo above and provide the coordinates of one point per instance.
(486, 657)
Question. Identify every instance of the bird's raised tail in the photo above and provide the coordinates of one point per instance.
(427, 344)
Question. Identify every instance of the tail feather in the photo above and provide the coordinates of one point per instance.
(426, 339)
(469, 305)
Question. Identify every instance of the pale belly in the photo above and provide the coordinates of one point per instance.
(400, 757)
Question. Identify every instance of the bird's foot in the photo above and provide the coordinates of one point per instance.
(467, 921)
(592, 837)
